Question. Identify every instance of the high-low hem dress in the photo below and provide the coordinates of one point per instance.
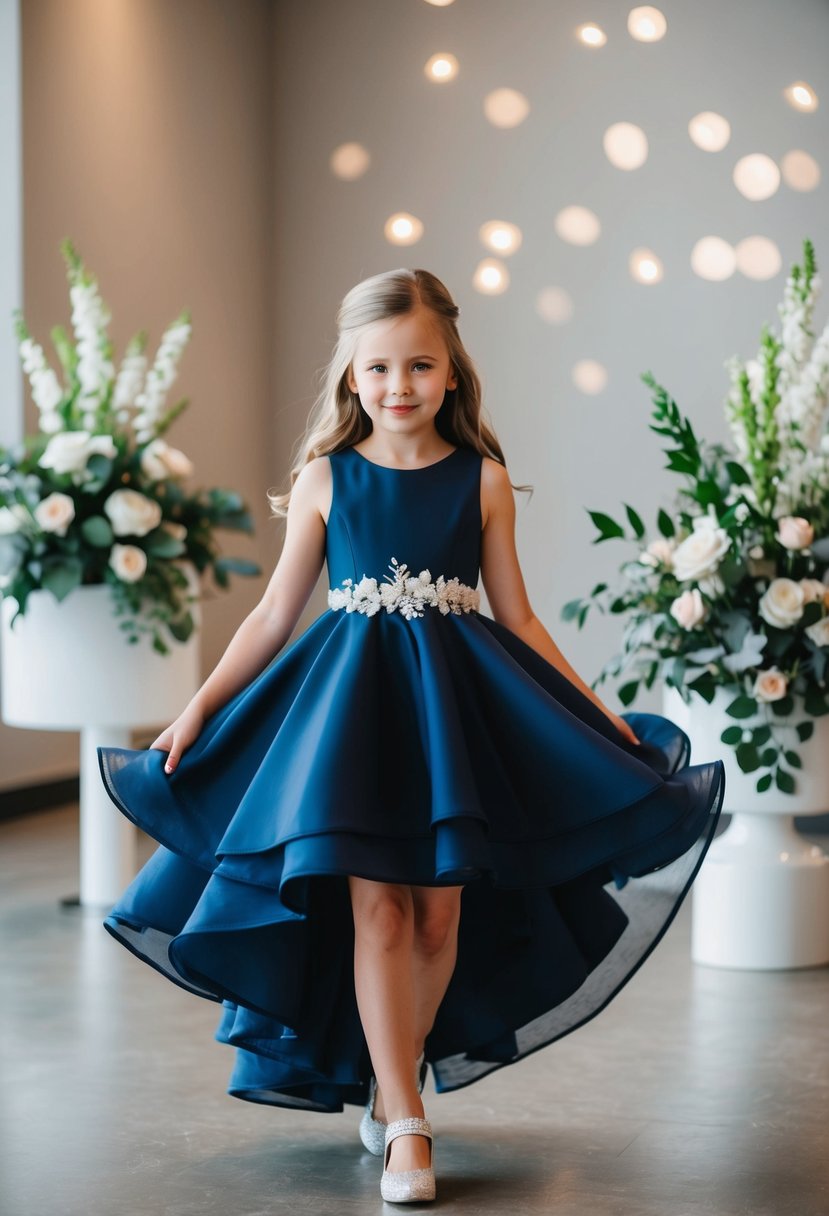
(433, 748)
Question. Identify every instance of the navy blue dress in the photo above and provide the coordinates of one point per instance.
(432, 749)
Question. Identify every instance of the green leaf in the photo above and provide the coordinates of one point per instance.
(635, 521)
(737, 473)
(162, 544)
(769, 756)
(747, 757)
(763, 783)
(805, 730)
(628, 691)
(570, 610)
(814, 702)
(607, 526)
(742, 707)
(60, 575)
(182, 627)
(761, 734)
(665, 523)
(732, 734)
(783, 707)
(785, 781)
(794, 759)
(239, 565)
(100, 467)
(97, 531)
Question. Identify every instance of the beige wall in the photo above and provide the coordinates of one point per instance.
(147, 140)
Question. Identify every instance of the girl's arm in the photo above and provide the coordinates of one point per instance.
(504, 582)
(265, 630)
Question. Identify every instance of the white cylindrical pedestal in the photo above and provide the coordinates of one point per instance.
(761, 898)
(68, 666)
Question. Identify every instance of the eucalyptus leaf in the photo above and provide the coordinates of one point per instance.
(61, 575)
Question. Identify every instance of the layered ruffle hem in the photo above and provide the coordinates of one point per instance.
(438, 750)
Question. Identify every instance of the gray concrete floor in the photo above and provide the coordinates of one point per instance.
(697, 1092)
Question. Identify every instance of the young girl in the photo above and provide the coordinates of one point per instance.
(417, 834)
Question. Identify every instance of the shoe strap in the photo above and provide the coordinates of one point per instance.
(413, 1125)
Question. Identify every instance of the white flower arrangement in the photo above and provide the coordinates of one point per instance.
(734, 592)
(405, 593)
(95, 496)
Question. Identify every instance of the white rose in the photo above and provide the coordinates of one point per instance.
(658, 551)
(712, 586)
(819, 632)
(813, 590)
(129, 562)
(688, 609)
(177, 531)
(782, 604)
(131, 513)
(68, 451)
(794, 532)
(701, 552)
(12, 518)
(159, 460)
(770, 685)
(55, 513)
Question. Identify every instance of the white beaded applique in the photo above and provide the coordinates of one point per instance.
(406, 593)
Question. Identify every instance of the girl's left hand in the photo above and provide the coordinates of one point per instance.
(624, 727)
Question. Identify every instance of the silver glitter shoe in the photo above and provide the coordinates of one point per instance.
(408, 1186)
(373, 1131)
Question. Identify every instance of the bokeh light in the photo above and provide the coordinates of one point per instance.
(713, 259)
(349, 161)
(800, 170)
(756, 176)
(403, 229)
(646, 23)
(506, 107)
(625, 145)
(441, 68)
(591, 35)
(645, 267)
(801, 96)
(709, 131)
(578, 225)
(491, 277)
(554, 305)
(501, 237)
(758, 257)
(589, 376)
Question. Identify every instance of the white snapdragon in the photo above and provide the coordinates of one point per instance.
(90, 317)
(128, 384)
(151, 400)
(46, 390)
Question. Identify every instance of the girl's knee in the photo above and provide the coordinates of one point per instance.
(382, 912)
(436, 924)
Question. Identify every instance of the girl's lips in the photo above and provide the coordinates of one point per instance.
(401, 409)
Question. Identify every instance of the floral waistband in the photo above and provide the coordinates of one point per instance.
(406, 593)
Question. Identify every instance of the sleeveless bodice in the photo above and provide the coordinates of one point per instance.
(429, 518)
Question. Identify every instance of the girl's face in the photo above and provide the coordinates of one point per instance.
(402, 361)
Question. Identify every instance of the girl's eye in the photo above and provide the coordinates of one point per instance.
(427, 366)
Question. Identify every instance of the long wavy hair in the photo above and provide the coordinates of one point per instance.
(338, 420)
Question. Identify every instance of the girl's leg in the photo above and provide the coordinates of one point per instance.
(404, 951)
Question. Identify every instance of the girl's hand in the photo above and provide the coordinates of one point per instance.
(178, 737)
(624, 727)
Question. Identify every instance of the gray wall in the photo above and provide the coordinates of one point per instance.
(185, 149)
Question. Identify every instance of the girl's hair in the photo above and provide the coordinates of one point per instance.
(338, 420)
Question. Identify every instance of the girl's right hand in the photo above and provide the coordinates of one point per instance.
(177, 738)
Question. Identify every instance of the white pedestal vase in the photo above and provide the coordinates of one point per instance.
(68, 666)
(761, 898)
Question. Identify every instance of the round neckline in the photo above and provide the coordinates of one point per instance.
(418, 469)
